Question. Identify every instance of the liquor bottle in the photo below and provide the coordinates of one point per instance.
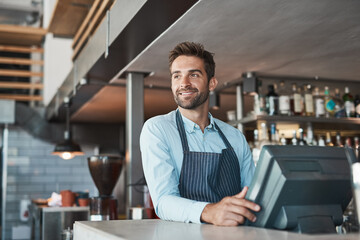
(274, 140)
(356, 147)
(348, 142)
(338, 140)
(319, 104)
(283, 140)
(328, 140)
(310, 135)
(309, 100)
(294, 140)
(329, 103)
(284, 100)
(272, 101)
(321, 141)
(349, 103)
(260, 101)
(296, 104)
(301, 137)
(357, 106)
(339, 110)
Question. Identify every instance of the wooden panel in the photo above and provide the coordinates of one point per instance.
(20, 61)
(21, 97)
(68, 16)
(19, 73)
(93, 23)
(17, 49)
(85, 22)
(20, 35)
(20, 85)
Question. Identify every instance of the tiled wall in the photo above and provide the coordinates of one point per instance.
(34, 172)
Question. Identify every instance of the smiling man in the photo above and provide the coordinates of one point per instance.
(196, 167)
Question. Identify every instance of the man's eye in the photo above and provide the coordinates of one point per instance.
(176, 76)
(195, 75)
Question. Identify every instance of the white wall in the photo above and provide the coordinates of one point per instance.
(57, 57)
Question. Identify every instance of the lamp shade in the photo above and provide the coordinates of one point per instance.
(67, 149)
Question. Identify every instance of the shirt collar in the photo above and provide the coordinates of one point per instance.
(190, 126)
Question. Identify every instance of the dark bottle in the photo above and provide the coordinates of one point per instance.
(349, 103)
(272, 101)
(357, 106)
(301, 137)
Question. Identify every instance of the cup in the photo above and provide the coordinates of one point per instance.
(83, 202)
(67, 198)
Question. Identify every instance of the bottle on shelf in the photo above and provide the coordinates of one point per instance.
(348, 142)
(310, 134)
(349, 103)
(339, 110)
(338, 140)
(328, 140)
(321, 141)
(260, 101)
(296, 103)
(319, 104)
(356, 147)
(309, 100)
(294, 140)
(301, 137)
(274, 138)
(256, 147)
(284, 100)
(357, 105)
(283, 140)
(329, 103)
(272, 101)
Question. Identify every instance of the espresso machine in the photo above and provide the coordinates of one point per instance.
(105, 171)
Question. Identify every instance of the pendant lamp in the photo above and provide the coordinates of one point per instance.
(68, 148)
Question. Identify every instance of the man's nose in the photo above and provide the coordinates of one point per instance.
(185, 81)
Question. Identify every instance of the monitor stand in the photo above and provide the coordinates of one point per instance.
(315, 224)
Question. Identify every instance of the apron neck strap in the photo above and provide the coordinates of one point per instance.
(181, 129)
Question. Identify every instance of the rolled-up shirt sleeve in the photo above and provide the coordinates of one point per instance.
(163, 179)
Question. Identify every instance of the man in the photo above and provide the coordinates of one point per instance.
(196, 167)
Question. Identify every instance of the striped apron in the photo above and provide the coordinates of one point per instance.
(207, 176)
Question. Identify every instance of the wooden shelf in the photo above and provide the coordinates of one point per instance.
(17, 49)
(67, 17)
(20, 85)
(20, 35)
(20, 97)
(20, 61)
(19, 73)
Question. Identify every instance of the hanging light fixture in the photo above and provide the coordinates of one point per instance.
(68, 148)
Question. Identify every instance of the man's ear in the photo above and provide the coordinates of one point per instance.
(213, 83)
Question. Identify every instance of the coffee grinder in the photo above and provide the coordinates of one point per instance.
(105, 171)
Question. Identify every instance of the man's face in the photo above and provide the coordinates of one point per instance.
(189, 82)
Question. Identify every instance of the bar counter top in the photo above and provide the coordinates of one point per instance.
(166, 230)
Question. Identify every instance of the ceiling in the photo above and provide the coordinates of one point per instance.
(270, 37)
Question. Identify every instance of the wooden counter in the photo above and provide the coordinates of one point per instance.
(166, 230)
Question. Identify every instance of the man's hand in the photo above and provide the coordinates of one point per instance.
(230, 211)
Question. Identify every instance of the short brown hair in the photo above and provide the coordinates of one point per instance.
(197, 50)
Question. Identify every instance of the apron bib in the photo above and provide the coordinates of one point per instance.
(207, 176)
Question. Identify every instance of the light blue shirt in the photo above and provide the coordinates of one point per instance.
(162, 156)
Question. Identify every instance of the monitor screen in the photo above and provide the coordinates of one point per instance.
(301, 188)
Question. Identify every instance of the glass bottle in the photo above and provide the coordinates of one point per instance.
(357, 106)
(319, 104)
(274, 140)
(294, 140)
(349, 103)
(283, 139)
(301, 137)
(348, 142)
(284, 100)
(321, 141)
(338, 140)
(309, 100)
(328, 140)
(260, 101)
(296, 101)
(356, 146)
(310, 134)
(329, 103)
(272, 101)
(339, 110)
(256, 147)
